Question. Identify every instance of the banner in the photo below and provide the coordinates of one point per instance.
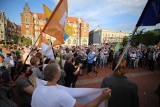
(82, 95)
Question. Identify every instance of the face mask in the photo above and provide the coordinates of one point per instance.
(29, 74)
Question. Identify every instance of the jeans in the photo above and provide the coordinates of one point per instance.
(132, 63)
(89, 69)
(102, 63)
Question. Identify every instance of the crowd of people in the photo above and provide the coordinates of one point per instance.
(18, 67)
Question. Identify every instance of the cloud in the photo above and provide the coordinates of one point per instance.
(97, 12)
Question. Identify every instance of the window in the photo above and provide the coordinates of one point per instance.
(74, 35)
(1, 36)
(36, 21)
(36, 28)
(76, 31)
(75, 25)
(26, 19)
(27, 26)
(84, 41)
(27, 32)
(36, 33)
(74, 41)
(69, 41)
(40, 23)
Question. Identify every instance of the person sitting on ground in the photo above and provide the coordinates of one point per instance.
(51, 95)
(124, 91)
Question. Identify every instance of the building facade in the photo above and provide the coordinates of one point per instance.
(33, 23)
(3, 24)
(81, 32)
(8, 29)
(99, 36)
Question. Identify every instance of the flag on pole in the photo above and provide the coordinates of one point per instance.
(150, 15)
(56, 23)
(47, 12)
(56, 42)
(69, 31)
(117, 47)
(42, 39)
(46, 47)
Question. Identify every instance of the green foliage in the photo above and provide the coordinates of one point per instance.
(26, 41)
(125, 40)
(15, 39)
(147, 38)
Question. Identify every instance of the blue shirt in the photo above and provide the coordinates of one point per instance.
(90, 60)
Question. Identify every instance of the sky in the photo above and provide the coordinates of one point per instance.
(116, 15)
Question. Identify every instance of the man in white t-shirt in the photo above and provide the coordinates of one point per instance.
(52, 95)
(132, 59)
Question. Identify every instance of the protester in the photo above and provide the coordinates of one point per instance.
(52, 95)
(24, 86)
(132, 59)
(90, 62)
(34, 63)
(6, 94)
(124, 91)
(71, 71)
(39, 55)
(11, 65)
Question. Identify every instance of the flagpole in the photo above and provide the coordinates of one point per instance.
(29, 53)
(126, 48)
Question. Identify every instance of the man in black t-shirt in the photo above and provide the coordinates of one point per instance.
(71, 71)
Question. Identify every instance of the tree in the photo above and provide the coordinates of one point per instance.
(26, 41)
(147, 38)
(125, 40)
(15, 39)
